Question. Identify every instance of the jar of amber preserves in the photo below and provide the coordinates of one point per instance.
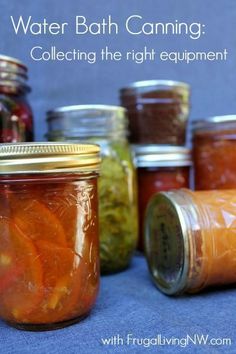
(190, 240)
(158, 111)
(49, 251)
(160, 168)
(106, 126)
(16, 119)
(214, 153)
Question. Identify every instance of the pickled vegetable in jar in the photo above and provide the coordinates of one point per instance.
(158, 111)
(159, 168)
(49, 250)
(214, 153)
(106, 126)
(190, 240)
(16, 118)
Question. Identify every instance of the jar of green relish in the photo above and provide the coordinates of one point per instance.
(106, 126)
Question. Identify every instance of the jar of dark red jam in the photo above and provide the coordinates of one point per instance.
(214, 153)
(160, 168)
(158, 111)
(49, 251)
(16, 119)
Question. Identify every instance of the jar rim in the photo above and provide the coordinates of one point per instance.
(15, 85)
(91, 107)
(13, 73)
(86, 121)
(13, 60)
(48, 157)
(145, 85)
(212, 122)
(162, 156)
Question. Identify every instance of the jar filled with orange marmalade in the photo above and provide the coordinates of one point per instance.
(160, 168)
(16, 118)
(190, 240)
(214, 153)
(49, 252)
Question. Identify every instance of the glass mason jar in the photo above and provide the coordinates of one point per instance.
(49, 250)
(15, 112)
(190, 240)
(106, 126)
(157, 110)
(214, 151)
(160, 168)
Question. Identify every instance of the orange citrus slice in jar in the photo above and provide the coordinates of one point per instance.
(62, 269)
(36, 221)
(62, 200)
(21, 278)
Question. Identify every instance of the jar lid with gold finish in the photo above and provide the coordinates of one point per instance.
(47, 157)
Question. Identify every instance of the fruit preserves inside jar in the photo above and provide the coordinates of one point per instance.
(214, 151)
(215, 258)
(118, 221)
(49, 251)
(16, 123)
(152, 180)
(190, 240)
(158, 111)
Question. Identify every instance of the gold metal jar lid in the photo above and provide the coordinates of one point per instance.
(46, 157)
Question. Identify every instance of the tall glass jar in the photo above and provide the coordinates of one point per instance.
(49, 245)
(106, 126)
(159, 168)
(16, 123)
(157, 110)
(214, 153)
(190, 240)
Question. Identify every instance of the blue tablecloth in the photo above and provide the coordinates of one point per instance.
(130, 308)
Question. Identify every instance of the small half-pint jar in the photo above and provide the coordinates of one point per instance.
(158, 111)
(190, 240)
(160, 168)
(214, 153)
(49, 251)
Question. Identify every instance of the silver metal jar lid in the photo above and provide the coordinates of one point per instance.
(162, 156)
(212, 123)
(6, 60)
(82, 121)
(22, 158)
(154, 85)
(167, 244)
(13, 73)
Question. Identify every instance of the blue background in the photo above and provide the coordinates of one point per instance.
(63, 83)
(128, 302)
